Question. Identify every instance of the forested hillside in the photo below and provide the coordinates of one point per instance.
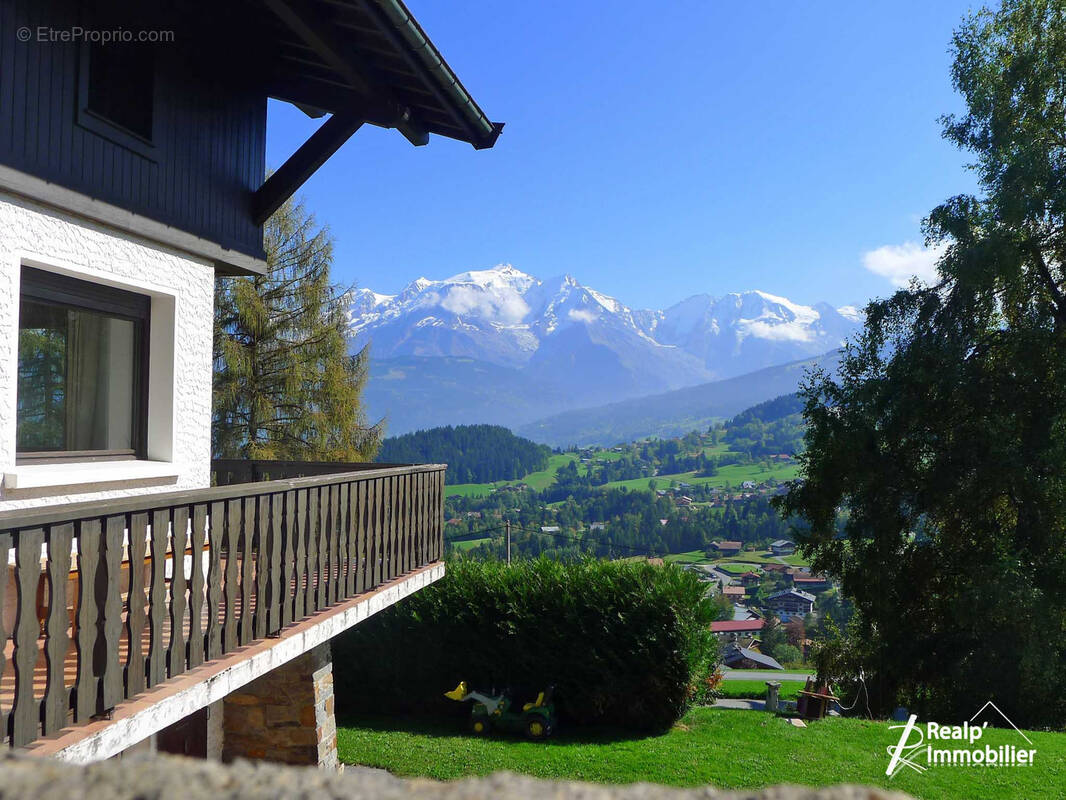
(653, 496)
(473, 453)
(775, 426)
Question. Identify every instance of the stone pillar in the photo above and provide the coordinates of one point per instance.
(285, 716)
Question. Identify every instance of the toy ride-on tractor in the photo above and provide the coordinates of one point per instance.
(536, 720)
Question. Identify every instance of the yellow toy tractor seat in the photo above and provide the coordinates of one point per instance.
(542, 700)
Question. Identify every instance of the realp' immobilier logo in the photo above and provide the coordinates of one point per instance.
(933, 745)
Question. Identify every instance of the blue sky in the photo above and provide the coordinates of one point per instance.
(655, 151)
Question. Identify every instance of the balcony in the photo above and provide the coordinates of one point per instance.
(105, 600)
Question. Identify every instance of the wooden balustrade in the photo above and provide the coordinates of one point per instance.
(102, 600)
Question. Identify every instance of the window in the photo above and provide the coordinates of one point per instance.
(82, 370)
(120, 85)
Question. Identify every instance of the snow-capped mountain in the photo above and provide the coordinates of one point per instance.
(565, 332)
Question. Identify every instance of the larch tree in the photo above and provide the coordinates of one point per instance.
(285, 385)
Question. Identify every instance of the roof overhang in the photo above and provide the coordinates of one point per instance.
(361, 62)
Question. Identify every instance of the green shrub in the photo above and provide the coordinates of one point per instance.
(625, 644)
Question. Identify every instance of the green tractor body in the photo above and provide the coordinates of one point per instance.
(535, 720)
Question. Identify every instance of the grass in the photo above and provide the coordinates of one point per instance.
(691, 557)
(749, 557)
(726, 748)
(736, 567)
(539, 480)
(757, 689)
(769, 672)
(467, 544)
(732, 475)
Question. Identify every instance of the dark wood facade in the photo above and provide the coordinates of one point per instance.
(201, 167)
(208, 150)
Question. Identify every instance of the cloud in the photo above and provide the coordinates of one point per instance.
(505, 307)
(777, 331)
(585, 315)
(900, 262)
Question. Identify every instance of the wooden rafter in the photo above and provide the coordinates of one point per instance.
(299, 17)
(302, 164)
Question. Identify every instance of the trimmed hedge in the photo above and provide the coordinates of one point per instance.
(626, 644)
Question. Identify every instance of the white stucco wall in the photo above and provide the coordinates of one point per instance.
(181, 288)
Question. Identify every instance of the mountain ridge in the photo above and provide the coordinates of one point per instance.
(552, 345)
(672, 413)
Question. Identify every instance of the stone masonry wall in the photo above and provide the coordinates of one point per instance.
(286, 716)
(162, 778)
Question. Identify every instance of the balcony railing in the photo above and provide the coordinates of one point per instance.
(102, 600)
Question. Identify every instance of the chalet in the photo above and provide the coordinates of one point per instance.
(734, 593)
(726, 548)
(811, 583)
(745, 658)
(791, 603)
(731, 629)
(783, 547)
(133, 175)
(683, 501)
(750, 579)
(747, 485)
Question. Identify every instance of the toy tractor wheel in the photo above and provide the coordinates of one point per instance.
(537, 727)
(479, 726)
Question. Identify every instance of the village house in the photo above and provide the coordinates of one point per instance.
(734, 593)
(133, 175)
(726, 548)
(736, 657)
(783, 547)
(750, 579)
(811, 583)
(732, 630)
(791, 603)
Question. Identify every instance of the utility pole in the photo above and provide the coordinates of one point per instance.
(507, 527)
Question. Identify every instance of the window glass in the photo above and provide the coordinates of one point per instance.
(121, 85)
(78, 378)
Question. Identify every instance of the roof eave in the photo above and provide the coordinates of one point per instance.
(395, 17)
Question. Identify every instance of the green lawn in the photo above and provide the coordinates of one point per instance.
(770, 672)
(757, 689)
(749, 557)
(727, 748)
(691, 557)
(732, 475)
(467, 544)
(536, 480)
(736, 567)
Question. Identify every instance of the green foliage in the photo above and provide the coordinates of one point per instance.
(285, 386)
(42, 399)
(945, 433)
(625, 644)
(787, 654)
(473, 453)
(773, 427)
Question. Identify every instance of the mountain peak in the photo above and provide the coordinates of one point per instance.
(499, 275)
(504, 316)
